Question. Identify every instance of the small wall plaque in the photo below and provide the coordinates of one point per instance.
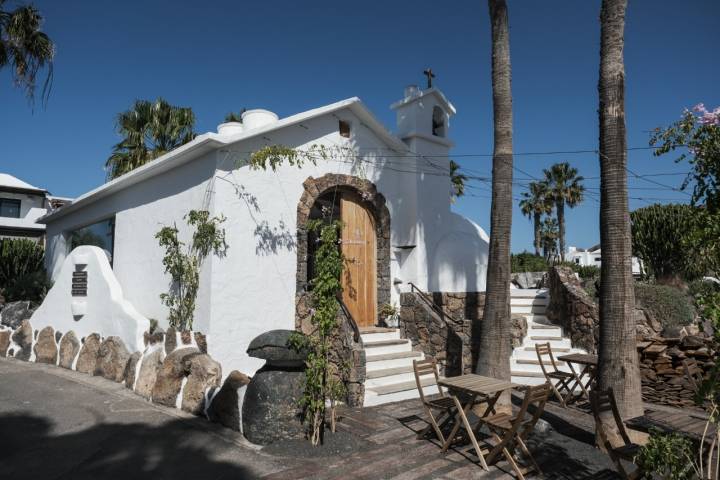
(79, 284)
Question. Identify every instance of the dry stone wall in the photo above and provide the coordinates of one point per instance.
(449, 331)
(173, 370)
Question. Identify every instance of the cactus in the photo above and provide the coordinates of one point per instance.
(22, 271)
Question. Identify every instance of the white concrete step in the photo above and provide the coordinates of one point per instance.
(384, 372)
(398, 391)
(519, 301)
(529, 293)
(558, 342)
(528, 309)
(385, 334)
(390, 380)
(385, 347)
(381, 362)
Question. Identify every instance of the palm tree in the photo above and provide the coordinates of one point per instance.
(617, 355)
(25, 48)
(549, 237)
(149, 130)
(534, 205)
(495, 346)
(564, 189)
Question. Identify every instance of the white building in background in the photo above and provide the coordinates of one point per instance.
(592, 256)
(392, 191)
(21, 205)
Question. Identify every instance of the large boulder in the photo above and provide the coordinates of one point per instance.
(69, 348)
(14, 313)
(150, 365)
(170, 340)
(518, 329)
(169, 379)
(131, 370)
(274, 347)
(4, 342)
(112, 359)
(46, 350)
(270, 410)
(226, 406)
(88, 354)
(23, 337)
(203, 373)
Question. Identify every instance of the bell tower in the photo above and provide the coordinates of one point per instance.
(423, 120)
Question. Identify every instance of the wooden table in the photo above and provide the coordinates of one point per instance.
(475, 386)
(686, 424)
(589, 369)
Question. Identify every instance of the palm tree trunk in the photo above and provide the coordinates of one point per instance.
(495, 343)
(560, 207)
(618, 358)
(536, 225)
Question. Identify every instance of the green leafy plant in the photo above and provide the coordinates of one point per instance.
(183, 263)
(527, 262)
(669, 456)
(669, 305)
(322, 379)
(388, 310)
(273, 156)
(22, 270)
(666, 239)
(234, 117)
(457, 180)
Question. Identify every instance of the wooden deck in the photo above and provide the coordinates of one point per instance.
(390, 449)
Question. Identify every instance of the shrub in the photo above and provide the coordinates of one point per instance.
(663, 237)
(22, 270)
(527, 262)
(669, 456)
(670, 306)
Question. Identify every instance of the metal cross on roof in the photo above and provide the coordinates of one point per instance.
(430, 75)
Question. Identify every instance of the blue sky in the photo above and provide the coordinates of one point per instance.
(289, 56)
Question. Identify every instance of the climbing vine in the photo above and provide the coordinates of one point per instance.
(183, 263)
(274, 155)
(322, 378)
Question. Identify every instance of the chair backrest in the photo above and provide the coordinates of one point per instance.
(544, 349)
(602, 401)
(426, 367)
(537, 397)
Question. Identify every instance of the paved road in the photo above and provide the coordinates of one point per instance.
(58, 424)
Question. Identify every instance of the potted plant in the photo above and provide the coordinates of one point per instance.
(389, 314)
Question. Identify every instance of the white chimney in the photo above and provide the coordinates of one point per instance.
(257, 118)
(230, 128)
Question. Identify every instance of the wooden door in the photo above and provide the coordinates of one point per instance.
(359, 249)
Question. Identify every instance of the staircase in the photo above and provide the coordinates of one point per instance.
(389, 367)
(524, 365)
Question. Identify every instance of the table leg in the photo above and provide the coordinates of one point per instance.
(458, 420)
(578, 379)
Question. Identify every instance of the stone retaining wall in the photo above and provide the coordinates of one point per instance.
(173, 370)
(347, 355)
(572, 308)
(664, 379)
(450, 338)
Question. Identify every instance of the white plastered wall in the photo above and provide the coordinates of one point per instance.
(252, 289)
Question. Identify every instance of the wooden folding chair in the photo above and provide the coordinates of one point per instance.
(445, 403)
(510, 431)
(603, 401)
(561, 379)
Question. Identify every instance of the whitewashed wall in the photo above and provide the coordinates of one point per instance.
(252, 289)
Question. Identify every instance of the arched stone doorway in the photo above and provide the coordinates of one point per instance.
(329, 190)
(361, 208)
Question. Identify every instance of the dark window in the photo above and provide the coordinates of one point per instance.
(438, 122)
(344, 128)
(9, 207)
(100, 234)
